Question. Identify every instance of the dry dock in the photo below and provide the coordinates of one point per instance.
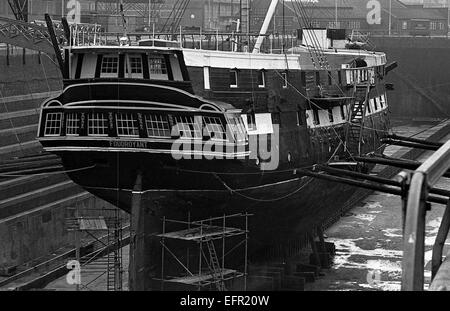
(369, 238)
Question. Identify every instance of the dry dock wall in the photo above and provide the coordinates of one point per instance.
(27, 78)
(32, 209)
(421, 81)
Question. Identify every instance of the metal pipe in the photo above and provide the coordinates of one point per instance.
(381, 180)
(414, 140)
(265, 26)
(414, 237)
(366, 185)
(408, 144)
(403, 163)
(436, 165)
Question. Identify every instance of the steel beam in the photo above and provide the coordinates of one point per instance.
(414, 140)
(436, 165)
(426, 176)
(402, 143)
(414, 236)
(440, 242)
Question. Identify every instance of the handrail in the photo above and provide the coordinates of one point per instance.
(424, 178)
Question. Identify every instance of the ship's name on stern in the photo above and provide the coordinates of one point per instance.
(128, 144)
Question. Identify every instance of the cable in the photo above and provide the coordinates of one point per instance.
(264, 200)
(50, 173)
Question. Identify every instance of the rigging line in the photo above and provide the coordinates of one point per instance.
(307, 22)
(50, 173)
(45, 73)
(170, 15)
(240, 174)
(300, 25)
(264, 200)
(315, 43)
(334, 130)
(12, 123)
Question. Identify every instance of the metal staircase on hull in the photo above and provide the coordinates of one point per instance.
(356, 117)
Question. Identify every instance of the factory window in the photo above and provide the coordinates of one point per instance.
(110, 65)
(72, 124)
(330, 115)
(233, 78)
(354, 24)
(261, 79)
(375, 102)
(158, 67)
(404, 25)
(53, 124)
(214, 128)
(157, 126)
(369, 107)
(189, 127)
(127, 125)
(98, 124)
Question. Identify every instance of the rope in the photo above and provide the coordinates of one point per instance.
(240, 174)
(50, 173)
(12, 123)
(263, 200)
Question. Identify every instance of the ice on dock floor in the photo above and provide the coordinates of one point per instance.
(369, 239)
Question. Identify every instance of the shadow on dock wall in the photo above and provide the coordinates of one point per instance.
(421, 81)
(36, 233)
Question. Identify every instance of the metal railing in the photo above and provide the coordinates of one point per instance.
(415, 207)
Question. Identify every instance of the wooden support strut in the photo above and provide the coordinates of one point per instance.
(136, 242)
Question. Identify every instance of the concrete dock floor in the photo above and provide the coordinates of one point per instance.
(369, 238)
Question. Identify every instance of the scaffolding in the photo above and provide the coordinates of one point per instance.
(105, 259)
(205, 233)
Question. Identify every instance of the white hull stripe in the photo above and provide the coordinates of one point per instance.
(174, 153)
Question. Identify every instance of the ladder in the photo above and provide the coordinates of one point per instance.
(114, 257)
(216, 271)
(357, 116)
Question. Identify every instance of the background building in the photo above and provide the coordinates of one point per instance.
(407, 17)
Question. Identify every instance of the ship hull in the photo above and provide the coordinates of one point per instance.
(284, 206)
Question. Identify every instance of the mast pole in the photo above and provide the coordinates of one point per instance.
(265, 26)
(390, 17)
(335, 13)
